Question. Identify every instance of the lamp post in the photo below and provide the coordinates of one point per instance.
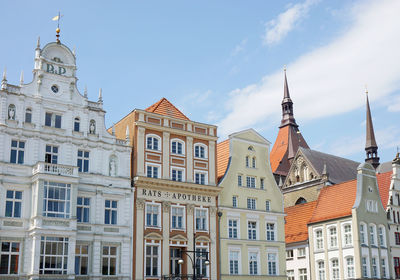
(193, 260)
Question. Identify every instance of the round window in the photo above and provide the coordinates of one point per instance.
(54, 88)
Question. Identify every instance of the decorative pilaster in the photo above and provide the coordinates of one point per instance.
(165, 164)
(140, 152)
(211, 162)
(166, 209)
(189, 159)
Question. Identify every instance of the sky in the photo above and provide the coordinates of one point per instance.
(221, 62)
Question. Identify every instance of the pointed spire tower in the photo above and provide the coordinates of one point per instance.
(371, 148)
(289, 138)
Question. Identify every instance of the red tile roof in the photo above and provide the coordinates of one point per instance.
(336, 201)
(164, 107)
(280, 147)
(222, 158)
(296, 221)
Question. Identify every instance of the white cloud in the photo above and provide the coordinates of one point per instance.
(239, 48)
(394, 106)
(277, 29)
(329, 80)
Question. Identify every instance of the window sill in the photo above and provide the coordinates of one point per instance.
(200, 158)
(301, 257)
(152, 150)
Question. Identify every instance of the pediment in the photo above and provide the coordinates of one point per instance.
(178, 237)
(153, 235)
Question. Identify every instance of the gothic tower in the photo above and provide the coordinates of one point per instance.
(371, 148)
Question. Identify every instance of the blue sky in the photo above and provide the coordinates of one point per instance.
(221, 62)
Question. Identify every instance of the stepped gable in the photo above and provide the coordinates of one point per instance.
(337, 201)
(166, 108)
(297, 218)
(340, 169)
(222, 158)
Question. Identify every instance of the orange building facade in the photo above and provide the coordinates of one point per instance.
(174, 175)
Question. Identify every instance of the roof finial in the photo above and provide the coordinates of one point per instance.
(57, 18)
(284, 67)
(38, 43)
(5, 74)
(85, 92)
(21, 79)
(100, 96)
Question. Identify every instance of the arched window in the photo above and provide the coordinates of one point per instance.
(321, 270)
(250, 148)
(28, 115)
(335, 269)
(349, 267)
(347, 235)
(92, 127)
(77, 124)
(153, 142)
(311, 176)
(177, 147)
(301, 200)
(11, 112)
(363, 238)
(200, 151)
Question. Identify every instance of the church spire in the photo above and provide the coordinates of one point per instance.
(287, 106)
(371, 148)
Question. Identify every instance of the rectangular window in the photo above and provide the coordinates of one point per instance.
(362, 234)
(364, 267)
(239, 180)
(303, 273)
(348, 240)
(350, 267)
(272, 265)
(53, 120)
(234, 202)
(253, 263)
(201, 267)
(301, 252)
(268, 205)
(332, 237)
(178, 216)
(290, 275)
(110, 212)
(152, 215)
(177, 175)
(270, 232)
(82, 209)
(56, 200)
(251, 203)
(374, 267)
(81, 259)
(247, 162)
(372, 235)
(233, 262)
(397, 238)
(201, 219)
(9, 259)
(109, 260)
(289, 254)
(53, 255)
(233, 228)
(262, 183)
(83, 161)
(250, 182)
(13, 203)
(17, 151)
(383, 266)
(381, 237)
(51, 155)
(151, 260)
(152, 171)
(200, 178)
(28, 115)
(319, 240)
(252, 230)
(335, 269)
(396, 262)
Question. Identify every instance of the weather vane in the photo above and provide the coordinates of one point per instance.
(57, 18)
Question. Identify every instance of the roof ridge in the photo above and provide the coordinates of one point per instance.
(153, 108)
(330, 155)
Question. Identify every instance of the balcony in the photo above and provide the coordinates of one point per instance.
(55, 169)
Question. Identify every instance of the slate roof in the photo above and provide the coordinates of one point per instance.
(166, 108)
(339, 169)
(296, 221)
(337, 201)
(384, 167)
(222, 158)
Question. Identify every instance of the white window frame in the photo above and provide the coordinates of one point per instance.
(183, 217)
(253, 201)
(252, 230)
(303, 274)
(18, 151)
(289, 254)
(77, 122)
(364, 234)
(335, 270)
(268, 205)
(319, 241)
(152, 165)
(320, 270)
(350, 269)
(347, 237)
(382, 236)
(206, 221)
(200, 145)
(153, 204)
(84, 160)
(367, 271)
(28, 112)
(247, 161)
(66, 214)
(111, 209)
(383, 265)
(269, 232)
(53, 118)
(109, 257)
(15, 202)
(372, 235)
(239, 258)
(257, 259)
(177, 140)
(64, 256)
(201, 257)
(273, 261)
(333, 237)
(201, 173)
(251, 182)
(83, 206)
(232, 228)
(375, 267)
(151, 148)
(253, 162)
(152, 259)
(10, 253)
(53, 155)
(301, 250)
(177, 170)
(234, 201)
(80, 255)
(240, 180)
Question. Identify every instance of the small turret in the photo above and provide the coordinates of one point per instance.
(371, 148)
(100, 96)
(4, 80)
(21, 78)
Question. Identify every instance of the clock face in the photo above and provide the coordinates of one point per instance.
(54, 88)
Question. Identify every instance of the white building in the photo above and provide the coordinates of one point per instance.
(65, 190)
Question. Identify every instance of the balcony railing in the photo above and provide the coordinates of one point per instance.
(56, 169)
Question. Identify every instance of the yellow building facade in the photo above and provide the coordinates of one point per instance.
(252, 237)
